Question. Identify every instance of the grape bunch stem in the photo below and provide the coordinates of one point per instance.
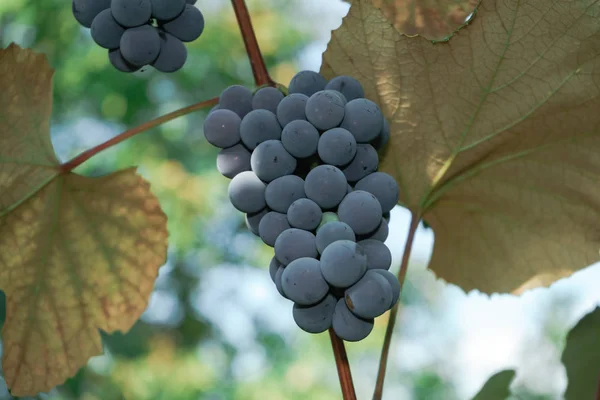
(414, 224)
(259, 69)
(86, 155)
(343, 366)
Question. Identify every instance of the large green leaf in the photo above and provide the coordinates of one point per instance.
(497, 387)
(77, 254)
(495, 134)
(582, 358)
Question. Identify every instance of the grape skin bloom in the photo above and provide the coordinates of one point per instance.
(325, 109)
(267, 98)
(247, 192)
(315, 318)
(370, 297)
(348, 326)
(307, 83)
(302, 281)
(283, 191)
(259, 126)
(361, 211)
(222, 128)
(343, 263)
(271, 225)
(300, 138)
(337, 147)
(270, 160)
(295, 243)
(304, 214)
(326, 186)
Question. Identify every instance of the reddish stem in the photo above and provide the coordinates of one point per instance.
(598, 391)
(86, 155)
(261, 78)
(343, 366)
(259, 69)
(414, 224)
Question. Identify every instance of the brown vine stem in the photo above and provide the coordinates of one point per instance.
(414, 224)
(343, 366)
(259, 69)
(86, 155)
(598, 391)
(261, 77)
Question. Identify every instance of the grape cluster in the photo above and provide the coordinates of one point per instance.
(142, 32)
(303, 168)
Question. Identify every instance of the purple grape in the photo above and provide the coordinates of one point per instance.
(247, 192)
(307, 83)
(292, 108)
(332, 232)
(302, 281)
(283, 191)
(364, 163)
(259, 126)
(173, 54)
(300, 138)
(337, 147)
(370, 297)
(233, 160)
(253, 220)
(361, 211)
(188, 26)
(105, 30)
(131, 13)
(270, 160)
(325, 109)
(379, 255)
(222, 128)
(348, 326)
(363, 119)
(295, 243)
(394, 284)
(326, 185)
(315, 318)
(304, 214)
(270, 227)
(383, 186)
(343, 263)
(141, 45)
(85, 11)
(238, 99)
(346, 85)
(267, 98)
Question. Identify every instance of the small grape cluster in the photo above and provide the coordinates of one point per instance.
(142, 32)
(304, 170)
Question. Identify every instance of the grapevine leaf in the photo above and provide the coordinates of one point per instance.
(581, 358)
(495, 134)
(497, 387)
(433, 19)
(77, 254)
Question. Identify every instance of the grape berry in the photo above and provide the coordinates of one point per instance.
(137, 33)
(303, 167)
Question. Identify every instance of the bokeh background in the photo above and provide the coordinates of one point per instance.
(216, 328)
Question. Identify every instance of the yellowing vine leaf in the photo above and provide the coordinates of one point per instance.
(433, 19)
(77, 254)
(581, 358)
(497, 387)
(495, 134)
